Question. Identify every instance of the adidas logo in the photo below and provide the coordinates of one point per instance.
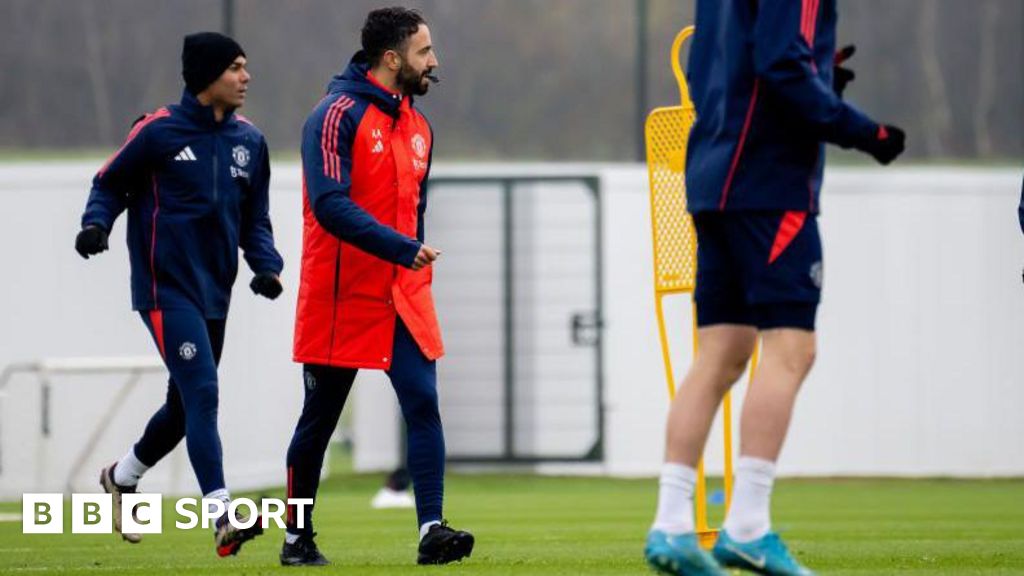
(378, 147)
(185, 154)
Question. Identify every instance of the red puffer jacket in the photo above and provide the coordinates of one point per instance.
(366, 154)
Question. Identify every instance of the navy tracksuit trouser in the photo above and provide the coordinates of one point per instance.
(414, 379)
(190, 346)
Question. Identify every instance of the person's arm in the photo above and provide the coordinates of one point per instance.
(327, 168)
(119, 177)
(257, 234)
(784, 61)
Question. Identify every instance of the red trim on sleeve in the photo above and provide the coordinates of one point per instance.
(149, 119)
(809, 20)
(329, 136)
(325, 129)
(348, 103)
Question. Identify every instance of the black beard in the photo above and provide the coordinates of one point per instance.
(410, 82)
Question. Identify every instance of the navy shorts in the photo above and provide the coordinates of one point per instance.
(759, 269)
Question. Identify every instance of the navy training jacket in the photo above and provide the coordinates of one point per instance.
(760, 75)
(195, 190)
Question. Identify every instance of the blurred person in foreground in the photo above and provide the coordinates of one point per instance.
(364, 298)
(194, 180)
(767, 83)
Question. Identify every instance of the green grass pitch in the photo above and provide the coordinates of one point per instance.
(537, 525)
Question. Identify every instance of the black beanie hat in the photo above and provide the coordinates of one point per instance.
(204, 57)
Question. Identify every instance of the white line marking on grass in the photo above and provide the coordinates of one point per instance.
(4, 517)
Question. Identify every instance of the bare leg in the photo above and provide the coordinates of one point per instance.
(721, 359)
(786, 358)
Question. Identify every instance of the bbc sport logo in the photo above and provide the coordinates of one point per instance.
(143, 513)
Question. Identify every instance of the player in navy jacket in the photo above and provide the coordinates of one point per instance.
(766, 82)
(193, 178)
(761, 78)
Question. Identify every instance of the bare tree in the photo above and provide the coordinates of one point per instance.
(522, 79)
(937, 115)
(987, 79)
(96, 69)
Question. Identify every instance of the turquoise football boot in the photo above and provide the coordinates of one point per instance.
(679, 555)
(766, 555)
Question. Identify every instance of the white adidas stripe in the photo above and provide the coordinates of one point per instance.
(185, 154)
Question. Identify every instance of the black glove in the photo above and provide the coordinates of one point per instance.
(887, 144)
(842, 76)
(91, 241)
(266, 284)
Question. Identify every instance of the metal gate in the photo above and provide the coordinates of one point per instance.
(518, 291)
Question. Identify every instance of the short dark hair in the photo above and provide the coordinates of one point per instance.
(389, 29)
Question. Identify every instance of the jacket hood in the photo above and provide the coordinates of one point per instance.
(355, 80)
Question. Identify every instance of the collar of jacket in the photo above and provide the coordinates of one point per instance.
(203, 115)
(354, 81)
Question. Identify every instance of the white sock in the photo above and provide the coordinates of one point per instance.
(223, 495)
(749, 516)
(675, 499)
(426, 527)
(129, 470)
(290, 538)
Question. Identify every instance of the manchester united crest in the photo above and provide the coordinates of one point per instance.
(240, 154)
(419, 145)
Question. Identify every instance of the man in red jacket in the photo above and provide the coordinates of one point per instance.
(364, 295)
